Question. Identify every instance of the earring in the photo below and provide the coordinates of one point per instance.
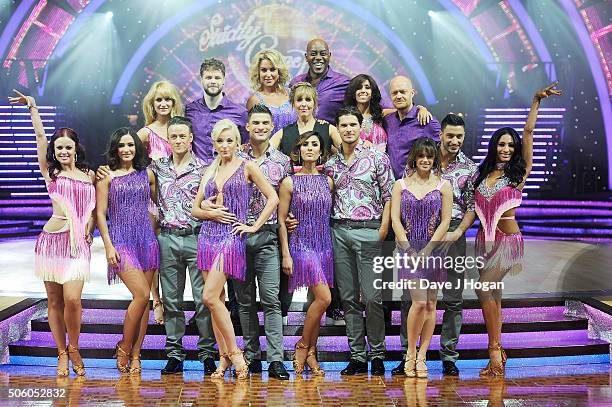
(76, 157)
(319, 160)
(300, 160)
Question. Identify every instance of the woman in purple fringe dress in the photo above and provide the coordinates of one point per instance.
(222, 246)
(62, 252)
(498, 193)
(421, 207)
(131, 247)
(307, 253)
(161, 103)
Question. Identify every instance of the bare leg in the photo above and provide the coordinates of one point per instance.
(417, 316)
(312, 324)
(55, 305)
(138, 284)
(429, 323)
(73, 314)
(158, 311)
(144, 324)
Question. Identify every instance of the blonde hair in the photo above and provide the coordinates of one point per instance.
(220, 127)
(165, 89)
(277, 60)
(303, 88)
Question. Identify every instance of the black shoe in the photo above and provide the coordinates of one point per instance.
(278, 371)
(378, 367)
(449, 368)
(255, 366)
(173, 366)
(209, 366)
(354, 367)
(399, 369)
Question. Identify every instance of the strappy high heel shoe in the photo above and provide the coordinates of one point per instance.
(77, 368)
(504, 357)
(63, 371)
(135, 365)
(313, 363)
(494, 369)
(243, 372)
(224, 364)
(410, 365)
(122, 365)
(298, 365)
(421, 368)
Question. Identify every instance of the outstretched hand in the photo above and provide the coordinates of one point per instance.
(21, 99)
(548, 91)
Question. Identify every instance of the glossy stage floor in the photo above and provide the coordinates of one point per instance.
(559, 350)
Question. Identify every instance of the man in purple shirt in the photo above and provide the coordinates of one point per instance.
(403, 128)
(205, 112)
(331, 85)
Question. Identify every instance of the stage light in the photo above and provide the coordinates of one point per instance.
(109, 14)
(431, 13)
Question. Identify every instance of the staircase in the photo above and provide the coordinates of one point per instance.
(532, 328)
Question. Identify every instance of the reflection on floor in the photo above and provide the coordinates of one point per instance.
(570, 381)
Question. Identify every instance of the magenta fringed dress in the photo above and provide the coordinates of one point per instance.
(158, 147)
(506, 249)
(130, 228)
(310, 244)
(64, 255)
(216, 242)
(420, 219)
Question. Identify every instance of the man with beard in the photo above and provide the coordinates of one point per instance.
(461, 173)
(205, 112)
(330, 85)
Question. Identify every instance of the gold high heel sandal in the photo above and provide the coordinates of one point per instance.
(503, 356)
(313, 363)
(63, 371)
(410, 365)
(497, 369)
(79, 369)
(298, 365)
(122, 366)
(220, 372)
(243, 372)
(421, 368)
(135, 365)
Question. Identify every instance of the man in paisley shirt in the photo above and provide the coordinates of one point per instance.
(360, 220)
(460, 172)
(263, 260)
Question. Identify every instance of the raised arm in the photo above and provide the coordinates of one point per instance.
(39, 131)
(285, 194)
(531, 122)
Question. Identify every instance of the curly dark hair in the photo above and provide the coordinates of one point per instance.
(375, 107)
(141, 159)
(296, 153)
(516, 168)
(80, 158)
(423, 145)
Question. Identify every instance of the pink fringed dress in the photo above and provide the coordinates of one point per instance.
(130, 229)
(157, 146)
(490, 204)
(310, 244)
(215, 241)
(420, 218)
(377, 134)
(64, 255)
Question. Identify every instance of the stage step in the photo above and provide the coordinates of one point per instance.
(532, 328)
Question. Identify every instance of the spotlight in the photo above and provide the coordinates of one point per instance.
(431, 13)
(109, 14)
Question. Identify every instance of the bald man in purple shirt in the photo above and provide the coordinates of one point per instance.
(205, 112)
(330, 85)
(403, 127)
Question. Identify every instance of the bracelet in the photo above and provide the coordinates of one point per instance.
(32, 107)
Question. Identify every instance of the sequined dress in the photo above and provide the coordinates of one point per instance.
(420, 218)
(282, 115)
(216, 240)
(64, 255)
(310, 244)
(130, 229)
(157, 146)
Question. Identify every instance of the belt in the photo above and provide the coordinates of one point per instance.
(357, 224)
(182, 231)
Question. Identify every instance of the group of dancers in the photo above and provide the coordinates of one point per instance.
(291, 193)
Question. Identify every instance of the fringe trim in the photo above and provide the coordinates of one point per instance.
(143, 261)
(53, 261)
(507, 252)
(311, 268)
(231, 252)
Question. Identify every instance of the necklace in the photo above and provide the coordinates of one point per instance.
(500, 166)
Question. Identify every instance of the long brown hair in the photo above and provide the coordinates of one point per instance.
(80, 159)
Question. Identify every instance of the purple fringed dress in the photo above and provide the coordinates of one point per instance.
(130, 228)
(420, 219)
(310, 244)
(282, 115)
(215, 239)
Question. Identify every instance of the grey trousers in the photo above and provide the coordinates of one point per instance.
(354, 275)
(263, 263)
(177, 254)
(452, 298)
